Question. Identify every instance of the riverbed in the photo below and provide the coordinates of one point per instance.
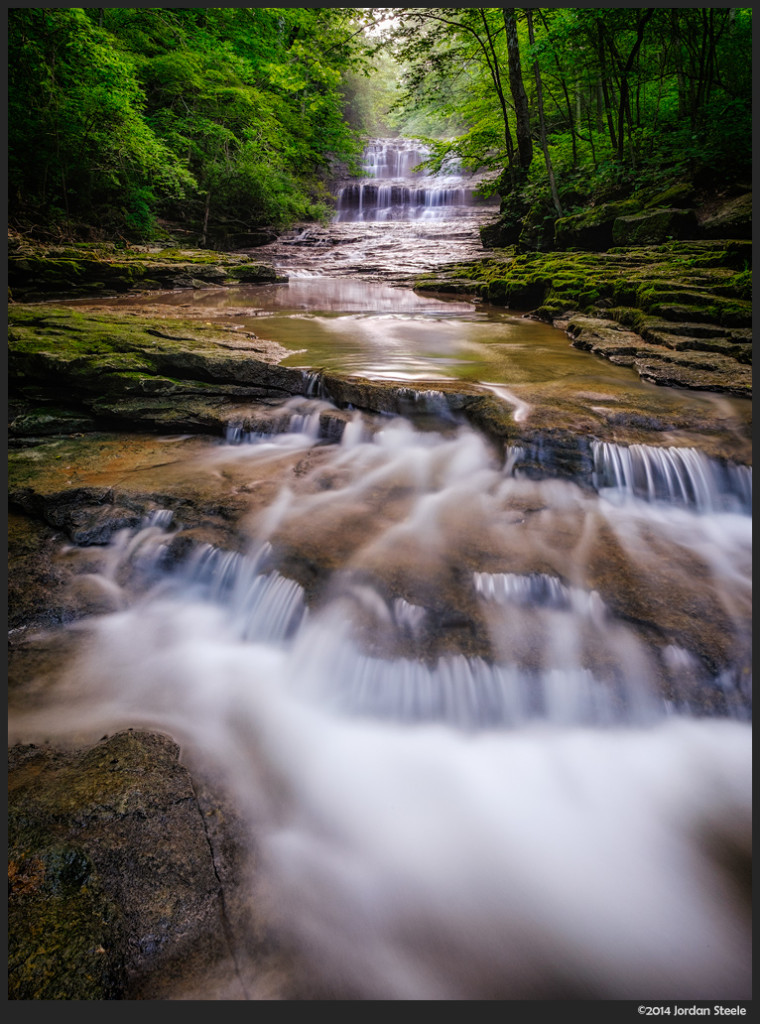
(489, 728)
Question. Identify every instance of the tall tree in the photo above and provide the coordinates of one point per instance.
(542, 122)
(519, 96)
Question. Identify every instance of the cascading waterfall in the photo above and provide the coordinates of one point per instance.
(393, 190)
(674, 475)
(476, 762)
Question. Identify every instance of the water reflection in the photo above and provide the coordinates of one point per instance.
(374, 329)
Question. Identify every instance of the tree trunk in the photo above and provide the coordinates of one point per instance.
(519, 96)
(624, 106)
(205, 217)
(542, 123)
(568, 102)
(605, 90)
(489, 50)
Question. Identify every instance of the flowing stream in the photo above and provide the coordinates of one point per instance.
(490, 727)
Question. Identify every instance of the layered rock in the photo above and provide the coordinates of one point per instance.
(44, 272)
(680, 313)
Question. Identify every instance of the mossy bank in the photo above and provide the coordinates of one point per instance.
(105, 269)
(680, 313)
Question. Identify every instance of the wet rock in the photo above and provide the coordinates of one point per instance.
(647, 591)
(130, 369)
(709, 370)
(38, 587)
(38, 419)
(112, 877)
(391, 397)
(61, 483)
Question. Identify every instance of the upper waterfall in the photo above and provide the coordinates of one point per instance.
(391, 188)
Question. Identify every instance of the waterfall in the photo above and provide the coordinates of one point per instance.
(296, 422)
(675, 475)
(392, 189)
(481, 754)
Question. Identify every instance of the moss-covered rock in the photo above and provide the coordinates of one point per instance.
(680, 195)
(36, 272)
(593, 227)
(177, 374)
(653, 226)
(699, 289)
(94, 907)
(537, 233)
(507, 229)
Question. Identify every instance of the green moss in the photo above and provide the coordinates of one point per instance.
(59, 948)
(689, 281)
(678, 195)
(592, 228)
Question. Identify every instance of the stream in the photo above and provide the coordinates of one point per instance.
(490, 728)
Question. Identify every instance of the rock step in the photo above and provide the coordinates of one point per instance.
(689, 367)
(741, 351)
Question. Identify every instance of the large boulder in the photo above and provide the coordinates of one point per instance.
(507, 229)
(501, 233)
(114, 889)
(537, 234)
(733, 219)
(593, 227)
(653, 227)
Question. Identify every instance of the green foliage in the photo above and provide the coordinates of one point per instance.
(221, 116)
(634, 99)
(120, 115)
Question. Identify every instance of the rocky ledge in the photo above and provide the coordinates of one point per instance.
(77, 370)
(680, 314)
(37, 272)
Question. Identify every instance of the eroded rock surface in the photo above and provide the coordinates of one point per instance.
(128, 878)
(686, 306)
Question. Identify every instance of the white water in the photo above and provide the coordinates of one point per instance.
(392, 189)
(536, 820)
(683, 476)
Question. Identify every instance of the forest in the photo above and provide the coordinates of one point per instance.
(121, 118)
(380, 506)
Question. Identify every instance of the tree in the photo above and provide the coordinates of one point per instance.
(207, 114)
(438, 42)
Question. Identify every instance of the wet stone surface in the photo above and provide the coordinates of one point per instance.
(252, 507)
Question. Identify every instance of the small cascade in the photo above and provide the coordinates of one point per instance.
(471, 693)
(408, 616)
(538, 590)
(296, 422)
(314, 386)
(429, 402)
(461, 783)
(262, 605)
(393, 190)
(680, 476)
